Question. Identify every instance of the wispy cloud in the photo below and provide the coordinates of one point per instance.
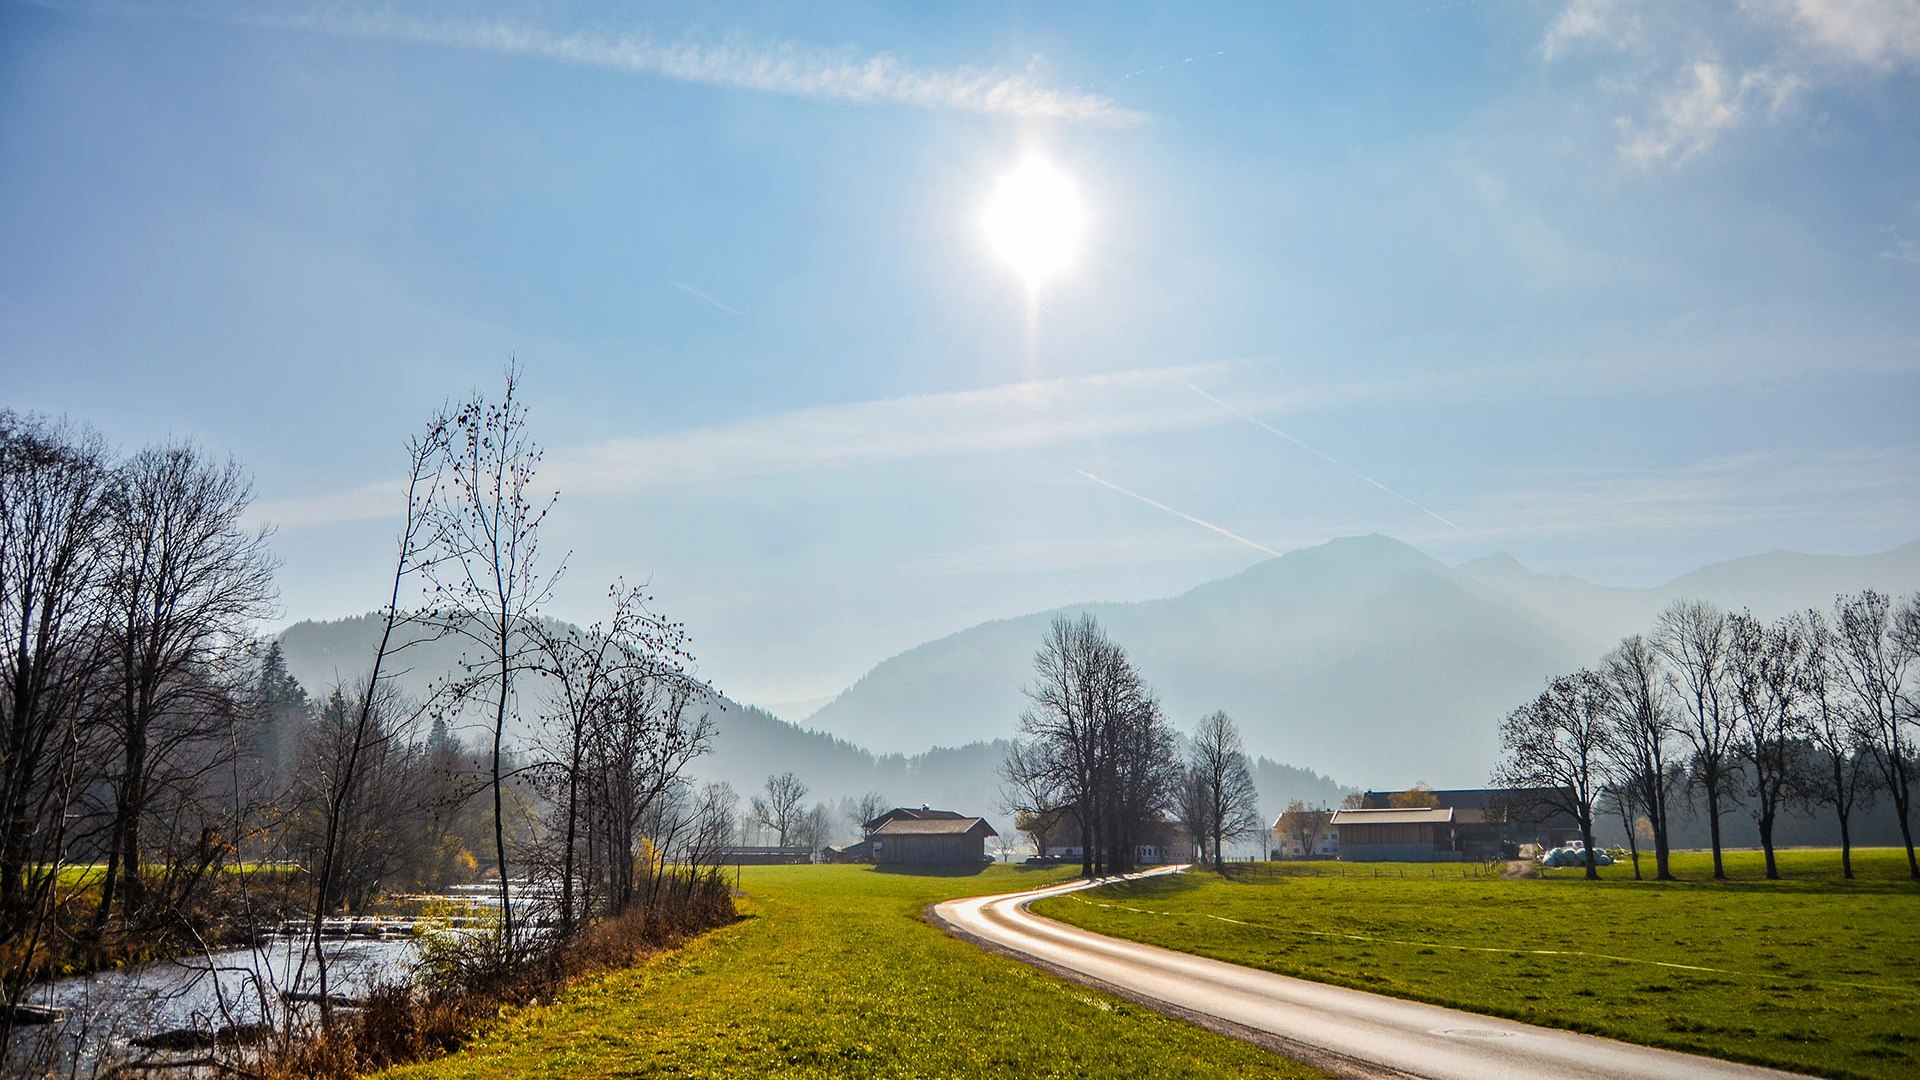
(1701, 353)
(1182, 514)
(790, 68)
(1610, 23)
(1008, 416)
(708, 297)
(1706, 102)
(1690, 75)
(1876, 34)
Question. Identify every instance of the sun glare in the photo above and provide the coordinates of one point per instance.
(1034, 220)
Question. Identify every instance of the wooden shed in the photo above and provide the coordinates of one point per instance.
(1422, 834)
(928, 841)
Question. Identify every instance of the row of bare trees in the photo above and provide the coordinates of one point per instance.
(1098, 758)
(1812, 709)
(128, 588)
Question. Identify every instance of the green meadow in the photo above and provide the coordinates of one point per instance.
(833, 972)
(1811, 973)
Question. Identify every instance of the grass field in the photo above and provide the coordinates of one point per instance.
(834, 973)
(1811, 973)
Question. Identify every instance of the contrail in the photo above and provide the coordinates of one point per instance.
(1328, 458)
(696, 293)
(1228, 533)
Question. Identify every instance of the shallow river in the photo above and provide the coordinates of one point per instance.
(107, 1010)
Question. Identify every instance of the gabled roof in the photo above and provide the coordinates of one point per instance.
(953, 826)
(923, 814)
(1411, 816)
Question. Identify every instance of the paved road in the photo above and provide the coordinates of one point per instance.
(1345, 1031)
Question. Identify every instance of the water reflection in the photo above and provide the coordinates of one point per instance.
(233, 989)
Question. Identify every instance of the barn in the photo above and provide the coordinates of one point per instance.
(1417, 834)
(918, 840)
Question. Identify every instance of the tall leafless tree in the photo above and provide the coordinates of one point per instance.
(186, 581)
(1875, 666)
(1763, 674)
(488, 583)
(1094, 744)
(1691, 636)
(1559, 744)
(1218, 759)
(52, 511)
(425, 454)
(1844, 773)
(1641, 713)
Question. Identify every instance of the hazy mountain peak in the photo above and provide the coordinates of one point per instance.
(1498, 565)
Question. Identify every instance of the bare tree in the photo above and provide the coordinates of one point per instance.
(186, 582)
(585, 668)
(650, 728)
(1691, 636)
(814, 829)
(869, 806)
(1193, 806)
(487, 582)
(1764, 671)
(1874, 665)
(1218, 758)
(52, 512)
(1559, 744)
(1095, 744)
(780, 810)
(1645, 728)
(1620, 796)
(1303, 826)
(1844, 771)
(366, 732)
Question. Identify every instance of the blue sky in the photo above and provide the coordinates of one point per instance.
(1619, 288)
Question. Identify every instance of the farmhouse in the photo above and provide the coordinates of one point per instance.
(1419, 834)
(1164, 841)
(1485, 819)
(925, 836)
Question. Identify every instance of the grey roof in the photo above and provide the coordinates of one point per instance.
(953, 826)
(922, 814)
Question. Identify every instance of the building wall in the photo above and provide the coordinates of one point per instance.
(931, 850)
(1395, 853)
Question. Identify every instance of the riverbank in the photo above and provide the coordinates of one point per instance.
(234, 908)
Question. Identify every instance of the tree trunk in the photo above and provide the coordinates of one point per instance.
(1586, 837)
(1713, 825)
(499, 801)
(1765, 822)
(1846, 845)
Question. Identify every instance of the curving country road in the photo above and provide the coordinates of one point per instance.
(1348, 1032)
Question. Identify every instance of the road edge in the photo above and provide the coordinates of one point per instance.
(1348, 1068)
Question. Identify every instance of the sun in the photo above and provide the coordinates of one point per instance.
(1034, 220)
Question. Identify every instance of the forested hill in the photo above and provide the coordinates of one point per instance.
(751, 743)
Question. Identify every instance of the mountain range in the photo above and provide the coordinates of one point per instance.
(1362, 657)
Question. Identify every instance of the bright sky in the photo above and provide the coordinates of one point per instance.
(1620, 288)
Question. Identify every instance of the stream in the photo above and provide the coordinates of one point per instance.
(107, 1010)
